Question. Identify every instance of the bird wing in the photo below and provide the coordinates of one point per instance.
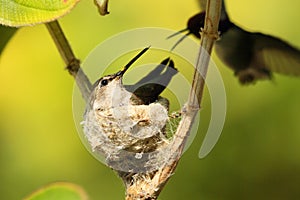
(154, 73)
(276, 55)
(153, 84)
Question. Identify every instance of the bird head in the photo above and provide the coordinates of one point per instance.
(110, 87)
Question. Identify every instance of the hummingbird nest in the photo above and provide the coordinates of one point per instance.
(130, 137)
(128, 126)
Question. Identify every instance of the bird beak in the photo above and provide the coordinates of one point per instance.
(177, 33)
(181, 39)
(122, 72)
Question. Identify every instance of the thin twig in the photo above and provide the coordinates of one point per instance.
(149, 190)
(73, 64)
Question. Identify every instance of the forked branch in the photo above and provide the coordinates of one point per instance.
(148, 186)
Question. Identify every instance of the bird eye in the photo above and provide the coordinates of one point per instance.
(104, 82)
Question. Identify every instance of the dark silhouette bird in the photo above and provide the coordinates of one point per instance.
(154, 83)
(251, 55)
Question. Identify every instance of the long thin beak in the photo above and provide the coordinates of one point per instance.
(182, 38)
(122, 72)
(177, 33)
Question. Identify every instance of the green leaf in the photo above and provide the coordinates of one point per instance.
(59, 191)
(5, 34)
(29, 12)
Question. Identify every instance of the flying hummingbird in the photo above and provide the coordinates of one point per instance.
(252, 56)
(124, 121)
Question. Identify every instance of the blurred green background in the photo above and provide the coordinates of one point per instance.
(257, 156)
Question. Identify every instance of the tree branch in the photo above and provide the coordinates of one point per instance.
(150, 187)
(73, 64)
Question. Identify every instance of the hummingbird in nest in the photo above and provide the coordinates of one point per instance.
(123, 122)
(251, 55)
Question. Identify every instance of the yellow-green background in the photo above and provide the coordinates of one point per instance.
(257, 156)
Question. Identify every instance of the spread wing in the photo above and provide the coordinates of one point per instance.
(276, 55)
(153, 84)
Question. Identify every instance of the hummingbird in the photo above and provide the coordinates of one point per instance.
(122, 122)
(251, 55)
